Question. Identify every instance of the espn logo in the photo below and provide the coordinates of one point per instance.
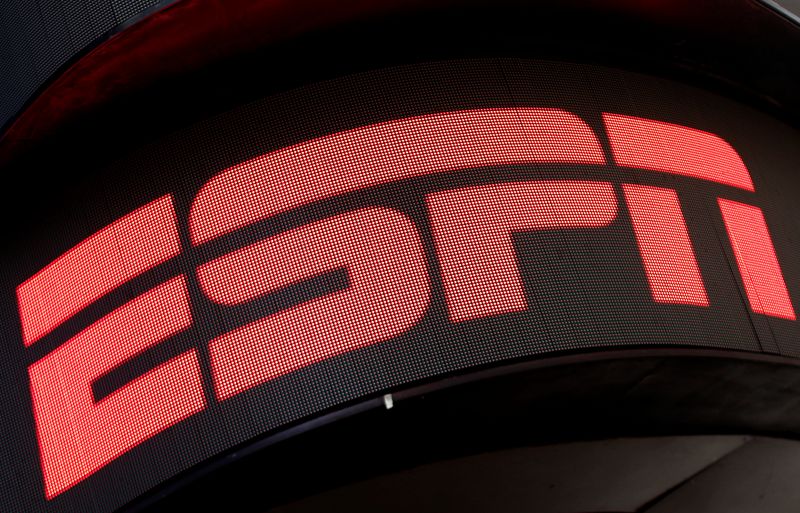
(381, 250)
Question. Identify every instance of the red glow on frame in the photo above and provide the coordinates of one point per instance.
(472, 230)
(114, 255)
(388, 294)
(387, 152)
(675, 149)
(756, 258)
(77, 436)
(664, 244)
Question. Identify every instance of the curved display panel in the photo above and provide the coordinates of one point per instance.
(45, 36)
(342, 240)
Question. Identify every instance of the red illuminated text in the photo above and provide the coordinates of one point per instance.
(473, 229)
(388, 294)
(77, 435)
(664, 244)
(380, 250)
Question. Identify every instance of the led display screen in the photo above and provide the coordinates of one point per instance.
(352, 237)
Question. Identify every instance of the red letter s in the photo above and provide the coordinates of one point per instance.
(388, 294)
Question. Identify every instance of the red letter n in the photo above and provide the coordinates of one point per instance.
(678, 150)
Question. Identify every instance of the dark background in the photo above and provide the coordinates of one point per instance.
(38, 39)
